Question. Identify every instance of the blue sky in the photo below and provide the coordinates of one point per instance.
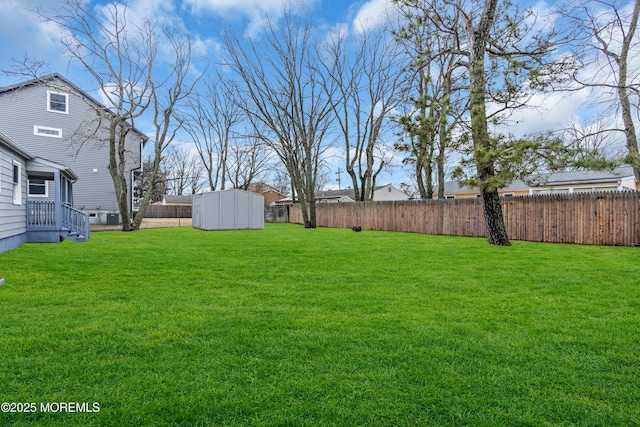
(22, 32)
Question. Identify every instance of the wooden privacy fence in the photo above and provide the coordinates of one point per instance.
(585, 218)
(167, 211)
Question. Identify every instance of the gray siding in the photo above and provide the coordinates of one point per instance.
(228, 210)
(87, 156)
(12, 217)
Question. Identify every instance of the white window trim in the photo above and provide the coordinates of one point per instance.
(66, 102)
(46, 190)
(17, 187)
(36, 127)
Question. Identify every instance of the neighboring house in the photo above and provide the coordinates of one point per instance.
(174, 200)
(55, 119)
(36, 199)
(620, 179)
(346, 195)
(382, 193)
(455, 190)
(270, 193)
(387, 193)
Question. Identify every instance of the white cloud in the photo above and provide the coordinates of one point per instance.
(254, 10)
(547, 112)
(23, 32)
(372, 14)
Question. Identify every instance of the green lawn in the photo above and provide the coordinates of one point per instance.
(289, 327)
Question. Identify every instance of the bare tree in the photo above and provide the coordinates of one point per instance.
(362, 78)
(285, 101)
(144, 184)
(247, 162)
(607, 44)
(183, 171)
(122, 56)
(212, 115)
(281, 180)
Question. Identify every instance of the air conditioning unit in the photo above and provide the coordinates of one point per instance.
(113, 219)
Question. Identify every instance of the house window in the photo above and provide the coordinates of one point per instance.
(57, 102)
(45, 131)
(17, 187)
(38, 188)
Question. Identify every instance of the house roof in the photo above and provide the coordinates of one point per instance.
(458, 187)
(37, 164)
(178, 200)
(261, 187)
(41, 165)
(13, 146)
(347, 192)
(580, 177)
(55, 76)
(335, 194)
(551, 179)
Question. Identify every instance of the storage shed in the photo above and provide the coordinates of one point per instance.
(228, 210)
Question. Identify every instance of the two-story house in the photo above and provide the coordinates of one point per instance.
(59, 122)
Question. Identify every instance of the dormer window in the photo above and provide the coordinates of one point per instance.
(57, 102)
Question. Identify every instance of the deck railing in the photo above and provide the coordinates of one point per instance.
(43, 216)
(75, 220)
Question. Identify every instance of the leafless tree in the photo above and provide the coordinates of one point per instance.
(249, 158)
(285, 101)
(183, 171)
(122, 57)
(607, 50)
(212, 115)
(363, 79)
(280, 180)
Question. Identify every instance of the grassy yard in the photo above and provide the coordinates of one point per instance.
(289, 327)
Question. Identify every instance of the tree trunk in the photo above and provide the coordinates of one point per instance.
(623, 94)
(117, 171)
(482, 145)
(440, 166)
(496, 230)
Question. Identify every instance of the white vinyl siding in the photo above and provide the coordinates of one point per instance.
(57, 102)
